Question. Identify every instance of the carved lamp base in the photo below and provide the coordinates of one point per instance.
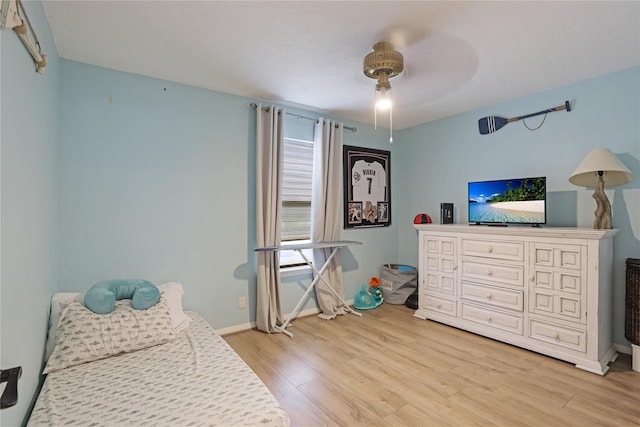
(603, 207)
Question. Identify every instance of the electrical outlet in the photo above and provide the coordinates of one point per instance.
(242, 302)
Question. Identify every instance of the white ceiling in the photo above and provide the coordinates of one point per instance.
(459, 55)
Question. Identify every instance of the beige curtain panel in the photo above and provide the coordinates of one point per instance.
(269, 170)
(326, 212)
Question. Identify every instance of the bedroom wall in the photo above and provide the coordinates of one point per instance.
(28, 198)
(157, 181)
(439, 158)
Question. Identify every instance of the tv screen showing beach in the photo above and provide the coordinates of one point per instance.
(512, 201)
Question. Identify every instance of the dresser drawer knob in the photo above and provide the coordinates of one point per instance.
(489, 273)
(489, 318)
(489, 249)
(489, 297)
(556, 336)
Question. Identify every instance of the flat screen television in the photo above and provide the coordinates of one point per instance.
(508, 201)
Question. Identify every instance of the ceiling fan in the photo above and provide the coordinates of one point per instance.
(382, 64)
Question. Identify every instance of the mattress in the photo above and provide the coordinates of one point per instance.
(194, 380)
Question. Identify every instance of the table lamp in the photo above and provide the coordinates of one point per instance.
(599, 166)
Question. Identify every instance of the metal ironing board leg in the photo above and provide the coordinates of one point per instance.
(314, 282)
(334, 246)
(319, 275)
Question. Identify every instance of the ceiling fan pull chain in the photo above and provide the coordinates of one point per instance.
(375, 113)
(390, 125)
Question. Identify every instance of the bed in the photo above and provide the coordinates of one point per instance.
(190, 377)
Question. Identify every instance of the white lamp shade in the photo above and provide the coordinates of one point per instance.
(601, 159)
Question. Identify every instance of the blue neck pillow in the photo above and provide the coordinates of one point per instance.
(101, 297)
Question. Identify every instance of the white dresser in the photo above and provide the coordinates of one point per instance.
(546, 289)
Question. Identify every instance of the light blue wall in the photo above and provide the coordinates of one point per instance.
(157, 181)
(29, 145)
(436, 160)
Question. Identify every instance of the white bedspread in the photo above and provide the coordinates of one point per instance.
(195, 380)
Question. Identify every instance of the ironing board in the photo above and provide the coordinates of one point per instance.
(299, 247)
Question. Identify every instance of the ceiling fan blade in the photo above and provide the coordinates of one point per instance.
(402, 37)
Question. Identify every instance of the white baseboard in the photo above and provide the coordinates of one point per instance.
(252, 325)
(622, 349)
(236, 328)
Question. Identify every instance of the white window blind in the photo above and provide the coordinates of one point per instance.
(296, 191)
(295, 225)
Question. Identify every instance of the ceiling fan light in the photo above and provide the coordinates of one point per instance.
(383, 104)
(383, 99)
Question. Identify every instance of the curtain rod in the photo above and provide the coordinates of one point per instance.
(298, 116)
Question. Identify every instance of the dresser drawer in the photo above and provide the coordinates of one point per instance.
(493, 249)
(497, 297)
(490, 317)
(441, 305)
(508, 274)
(572, 338)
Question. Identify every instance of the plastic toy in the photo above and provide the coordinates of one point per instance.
(370, 296)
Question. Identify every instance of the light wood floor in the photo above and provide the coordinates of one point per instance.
(389, 368)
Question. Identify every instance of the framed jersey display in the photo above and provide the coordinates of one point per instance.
(367, 187)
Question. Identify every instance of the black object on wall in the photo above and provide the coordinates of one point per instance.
(10, 393)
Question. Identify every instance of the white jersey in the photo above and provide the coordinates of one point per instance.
(369, 182)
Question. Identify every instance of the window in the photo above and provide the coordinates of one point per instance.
(295, 225)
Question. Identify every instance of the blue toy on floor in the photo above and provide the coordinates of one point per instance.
(370, 296)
